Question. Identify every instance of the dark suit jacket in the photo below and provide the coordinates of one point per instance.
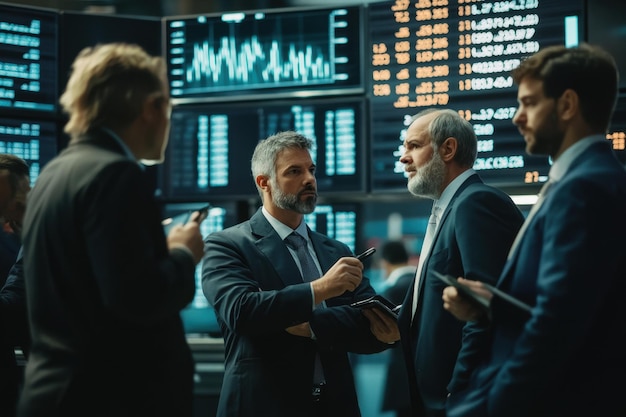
(568, 358)
(396, 391)
(252, 281)
(103, 292)
(474, 235)
(15, 333)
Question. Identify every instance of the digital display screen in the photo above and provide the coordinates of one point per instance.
(337, 221)
(459, 55)
(28, 58)
(211, 146)
(212, 57)
(606, 27)
(199, 317)
(81, 30)
(33, 141)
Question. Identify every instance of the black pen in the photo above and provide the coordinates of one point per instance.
(366, 254)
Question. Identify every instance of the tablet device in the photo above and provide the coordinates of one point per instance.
(464, 290)
(381, 303)
(478, 299)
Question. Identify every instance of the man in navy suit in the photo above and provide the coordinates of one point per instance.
(475, 226)
(273, 332)
(104, 285)
(566, 357)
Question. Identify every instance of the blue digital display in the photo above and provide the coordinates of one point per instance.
(212, 57)
(28, 58)
(210, 146)
(34, 141)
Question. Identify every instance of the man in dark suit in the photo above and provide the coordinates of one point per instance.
(104, 285)
(566, 357)
(473, 226)
(286, 357)
(399, 276)
(14, 187)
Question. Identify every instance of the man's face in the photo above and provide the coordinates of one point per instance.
(537, 119)
(294, 186)
(425, 167)
(12, 208)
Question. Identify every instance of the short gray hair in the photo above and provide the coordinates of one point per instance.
(267, 150)
(448, 123)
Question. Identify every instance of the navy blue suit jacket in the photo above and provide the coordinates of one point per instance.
(252, 281)
(567, 358)
(474, 235)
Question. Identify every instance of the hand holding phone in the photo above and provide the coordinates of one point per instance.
(185, 217)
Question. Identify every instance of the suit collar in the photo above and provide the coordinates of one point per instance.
(106, 139)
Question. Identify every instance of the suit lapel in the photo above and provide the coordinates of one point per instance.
(271, 245)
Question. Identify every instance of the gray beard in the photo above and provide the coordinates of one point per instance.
(292, 201)
(427, 180)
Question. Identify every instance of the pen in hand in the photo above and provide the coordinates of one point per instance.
(366, 254)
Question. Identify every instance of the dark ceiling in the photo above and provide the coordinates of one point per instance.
(159, 8)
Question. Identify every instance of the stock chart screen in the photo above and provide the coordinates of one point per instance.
(459, 55)
(211, 145)
(28, 58)
(212, 57)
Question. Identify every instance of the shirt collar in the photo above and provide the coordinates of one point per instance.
(282, 229)
(451, 189)
(563, 163)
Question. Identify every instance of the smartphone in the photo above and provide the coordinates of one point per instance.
(184, 217)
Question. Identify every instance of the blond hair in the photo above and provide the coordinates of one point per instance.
(108, 86)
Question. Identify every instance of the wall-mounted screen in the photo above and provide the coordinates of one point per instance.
(35, 141)
(260, 53)
(199, 316)
(28, 58)
(459, 55)
(337, 221)
(606, 27)
(80, 30)
(211, 146)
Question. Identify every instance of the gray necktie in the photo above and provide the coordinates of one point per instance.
(298, 244)
(424, 253)
(309, 273)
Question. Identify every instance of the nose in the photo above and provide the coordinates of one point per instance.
(517, 116)
(309, 178)
(405, 158)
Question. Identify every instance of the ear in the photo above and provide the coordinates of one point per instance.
(151, 108)
(447, 150)
(568, 105)
(262, 181)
